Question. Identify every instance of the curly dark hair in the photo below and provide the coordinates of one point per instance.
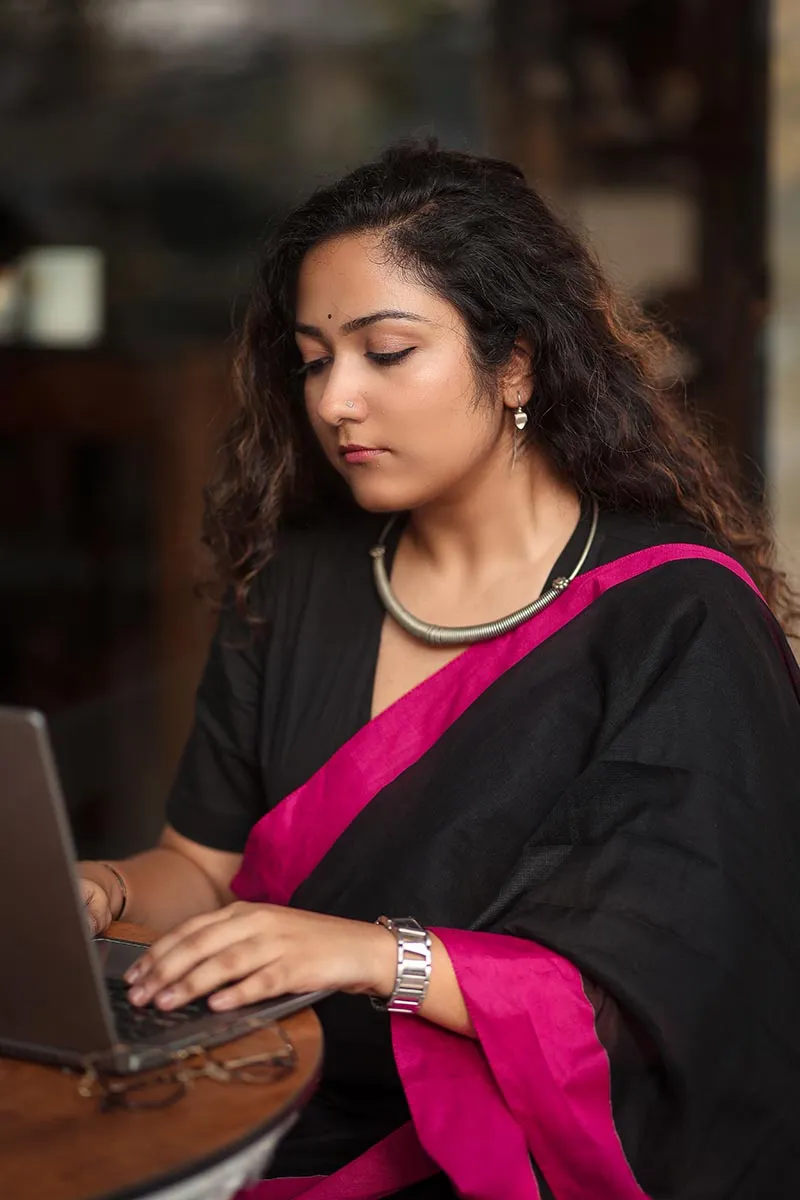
(473, 230)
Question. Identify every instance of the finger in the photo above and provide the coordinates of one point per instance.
(88, 891)
(97, 908)
(263, 984)
(232, 962)
(165, 945)
(184, 957)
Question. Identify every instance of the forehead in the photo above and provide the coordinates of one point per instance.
(350, 276)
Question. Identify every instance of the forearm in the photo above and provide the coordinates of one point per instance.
(164, 887)
(444, 1004)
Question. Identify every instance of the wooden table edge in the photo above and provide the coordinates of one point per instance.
(127, 932)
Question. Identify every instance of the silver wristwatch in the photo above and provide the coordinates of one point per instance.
(413, 965)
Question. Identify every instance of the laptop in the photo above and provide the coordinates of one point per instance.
(63, 999)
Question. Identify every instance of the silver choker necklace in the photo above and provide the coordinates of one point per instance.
(465, 635)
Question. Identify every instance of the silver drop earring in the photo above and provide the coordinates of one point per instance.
(520, 421)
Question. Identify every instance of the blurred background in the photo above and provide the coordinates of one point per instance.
(144, 144)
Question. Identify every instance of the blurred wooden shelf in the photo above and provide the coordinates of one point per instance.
(175, 406)
(88, 393)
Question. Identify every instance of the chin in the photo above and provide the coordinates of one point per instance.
(377, 496)
(375, 505)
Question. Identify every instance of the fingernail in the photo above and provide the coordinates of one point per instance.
(133, 973)
(136, 995)
(166, 999)
(220, 1001)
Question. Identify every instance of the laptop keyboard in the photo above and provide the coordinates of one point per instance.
(139, 1024)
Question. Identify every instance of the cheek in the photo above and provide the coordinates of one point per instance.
(325, 435)
(437, 390)
(311, 405)
(441, 401)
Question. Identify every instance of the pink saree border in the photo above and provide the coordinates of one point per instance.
(287, 843)
(396, 1161)
(536, 1029)
(459, 1113)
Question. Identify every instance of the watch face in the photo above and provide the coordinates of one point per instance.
(409, 924)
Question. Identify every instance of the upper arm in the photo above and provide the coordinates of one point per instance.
(218, 792)
(219, 866)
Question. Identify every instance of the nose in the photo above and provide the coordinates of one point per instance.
(341, 398)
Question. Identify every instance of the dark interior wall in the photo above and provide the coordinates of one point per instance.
(649, 94)
(169, 144)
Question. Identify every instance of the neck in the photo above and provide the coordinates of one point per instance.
(501, 520)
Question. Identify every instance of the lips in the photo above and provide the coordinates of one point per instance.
(353, 453)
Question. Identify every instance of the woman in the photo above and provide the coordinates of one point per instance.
(588, 810)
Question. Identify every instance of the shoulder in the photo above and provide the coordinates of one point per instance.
(702, 598)
(695, 572)
(620, 533)
(314, 555)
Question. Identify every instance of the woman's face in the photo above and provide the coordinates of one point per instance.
(389, 386)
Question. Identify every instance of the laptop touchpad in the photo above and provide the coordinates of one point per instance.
(115, 956)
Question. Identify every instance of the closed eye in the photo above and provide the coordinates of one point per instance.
(387, 360)
(313, 367)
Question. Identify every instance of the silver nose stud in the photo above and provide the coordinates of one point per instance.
(349, 403)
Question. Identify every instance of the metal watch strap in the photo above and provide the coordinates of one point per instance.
(413, 965)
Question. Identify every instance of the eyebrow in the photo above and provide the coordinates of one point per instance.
(384, 314)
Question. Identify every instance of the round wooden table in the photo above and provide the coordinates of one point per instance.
(56, 1145)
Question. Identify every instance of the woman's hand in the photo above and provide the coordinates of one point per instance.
(262, 950)
(101, 895)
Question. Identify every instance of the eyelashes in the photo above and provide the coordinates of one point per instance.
(387, 360)
(312, 368)
(316, 365)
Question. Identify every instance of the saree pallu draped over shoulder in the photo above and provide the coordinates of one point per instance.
(613, 872)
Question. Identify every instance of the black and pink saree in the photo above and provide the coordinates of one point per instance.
(599, 814)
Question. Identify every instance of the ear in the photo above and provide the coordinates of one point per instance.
(518, 375)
